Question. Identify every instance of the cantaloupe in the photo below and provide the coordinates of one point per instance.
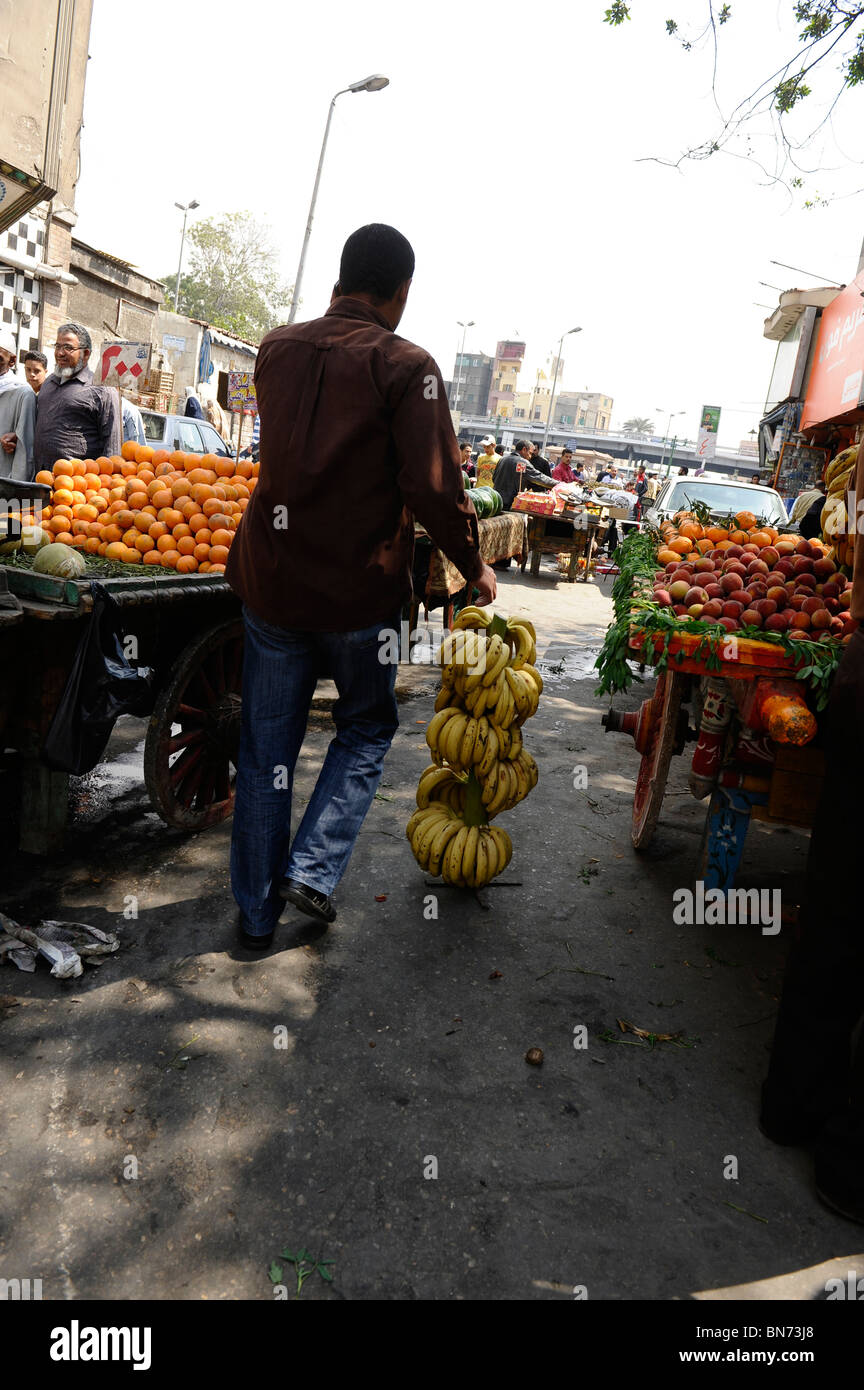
(59, 560)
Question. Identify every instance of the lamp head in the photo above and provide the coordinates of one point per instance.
(375, 83)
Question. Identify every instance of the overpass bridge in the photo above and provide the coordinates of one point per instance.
(629, 448)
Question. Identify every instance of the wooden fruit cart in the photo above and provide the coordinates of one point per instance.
(757, 741)
(188, 630)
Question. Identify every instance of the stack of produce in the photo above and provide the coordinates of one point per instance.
(839, 479)
(149, 507)
(489, 688)
(753, 579)
(487, 502)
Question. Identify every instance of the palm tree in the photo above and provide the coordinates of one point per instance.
(638, 425)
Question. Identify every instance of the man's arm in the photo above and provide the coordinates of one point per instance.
(429, 474)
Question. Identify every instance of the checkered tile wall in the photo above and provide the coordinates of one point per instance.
(25, 238)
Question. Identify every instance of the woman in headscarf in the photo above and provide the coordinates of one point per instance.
(193, 405)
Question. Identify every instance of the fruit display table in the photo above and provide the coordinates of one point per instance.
(567, 533)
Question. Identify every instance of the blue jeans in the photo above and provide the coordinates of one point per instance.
(280, 669)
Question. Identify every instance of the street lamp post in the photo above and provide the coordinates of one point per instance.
(464, 327)
(672, 415)
(185, 208)
(369, 84)
(554, 384)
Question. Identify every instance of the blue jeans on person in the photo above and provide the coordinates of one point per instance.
(280, 670)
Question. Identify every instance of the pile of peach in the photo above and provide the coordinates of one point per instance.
(780, 583)
(149, 507)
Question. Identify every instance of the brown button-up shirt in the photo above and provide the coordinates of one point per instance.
(356, 440)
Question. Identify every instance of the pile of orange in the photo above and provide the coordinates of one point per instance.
(689, 540)
(150, 507)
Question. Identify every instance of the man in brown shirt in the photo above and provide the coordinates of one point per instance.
(356, 440)
(814, 1093)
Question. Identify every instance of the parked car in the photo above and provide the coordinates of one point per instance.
(184, 432)
(723, 498)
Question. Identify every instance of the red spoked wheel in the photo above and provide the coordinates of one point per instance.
(666, 734)
(190, 756)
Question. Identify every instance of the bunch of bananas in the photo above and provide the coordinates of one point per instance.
(466, 856)
(839, 478)
(490, 686)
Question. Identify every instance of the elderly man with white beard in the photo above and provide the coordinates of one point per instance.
(17, 415)
(75, 418)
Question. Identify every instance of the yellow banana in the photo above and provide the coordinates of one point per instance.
(490, 849)
(535, 676)
(479, 874)
(515, 741)
(526, 650)
(497, 656)
(469, 738)
(424, 837)
(451, 867)
(432, 780)
(469, 853)
(520, 692)
(503, 844)
(522, 622)
(491, 751)
(444, 698)
(436, 724)
(448, 744)
(445, 834)
(472, 616)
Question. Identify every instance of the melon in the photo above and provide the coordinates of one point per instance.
(60, 560)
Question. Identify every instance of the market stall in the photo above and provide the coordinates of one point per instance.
(571, 522)
(745, 627)
(154, 536)
(502, 537)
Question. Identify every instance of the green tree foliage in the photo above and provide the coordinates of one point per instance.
(233, 279)
(638, 424)
(831, 38)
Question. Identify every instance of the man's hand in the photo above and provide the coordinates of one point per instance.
(9, 442)
(487, 585)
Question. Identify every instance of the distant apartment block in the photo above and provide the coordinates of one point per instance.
(583, 410)
(509, 357)
(472, 378)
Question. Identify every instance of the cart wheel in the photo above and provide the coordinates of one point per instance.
(194, 732)
(665, 737)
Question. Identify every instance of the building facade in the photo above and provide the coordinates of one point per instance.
(509, 356)
(588, 410)
(472, 378)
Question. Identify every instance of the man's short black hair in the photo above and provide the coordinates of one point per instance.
(36, 357)
(376, 260)
(520, 445)
(566, 451)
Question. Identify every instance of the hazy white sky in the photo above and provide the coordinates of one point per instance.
(506, 148)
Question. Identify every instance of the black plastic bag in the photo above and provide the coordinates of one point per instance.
(102, 685)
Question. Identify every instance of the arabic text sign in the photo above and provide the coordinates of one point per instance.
(837, 378)
(125, 364)
(241, 393)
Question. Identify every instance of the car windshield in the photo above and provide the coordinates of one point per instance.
(725, 499)
(154, 427)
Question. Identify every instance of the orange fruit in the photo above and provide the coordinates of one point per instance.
(157, 529)
(187, 507)
(746, 520)
(170, 516)
(738, 537)
(92, 482)
(216, 568)
(64, 537)
(131, 556)
(129, 470)
(143, 453)
(165, 542)
(201, 552)
(224, 467)
(128, 450)
(103, 546)
(680, 545)
(198, 522)
(153, 557)
(94, 529)
(204, 567)
(92, 545)
(100, 503)
(243, 503)
(145, 543)
(186, 545)
(63, 496)
(201, 492)
(203, 536)
(146, 475)
(220, 536)
(181, 487)
(112, 533)
(130, 535)
(180, 531)
(161, 456)
(124, 518)
(244, 470)
(170, 558)
(163, 498)
(187, 564)
(202, 475)
(178, 458)
(218, 554)
(760, 538)
(163, 469)
(79, 528)
(43, 476)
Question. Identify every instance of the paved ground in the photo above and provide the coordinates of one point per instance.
(404, 1042)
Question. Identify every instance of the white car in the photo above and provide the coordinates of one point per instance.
(723, 498)
(184, 432)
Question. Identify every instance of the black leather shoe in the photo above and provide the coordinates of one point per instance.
(313, 903)
(254, 943)
(785, 1125)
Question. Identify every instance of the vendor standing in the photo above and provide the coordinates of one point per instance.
(17, 412)
(75, 418)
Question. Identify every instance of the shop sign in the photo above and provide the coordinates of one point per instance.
(836, 386)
